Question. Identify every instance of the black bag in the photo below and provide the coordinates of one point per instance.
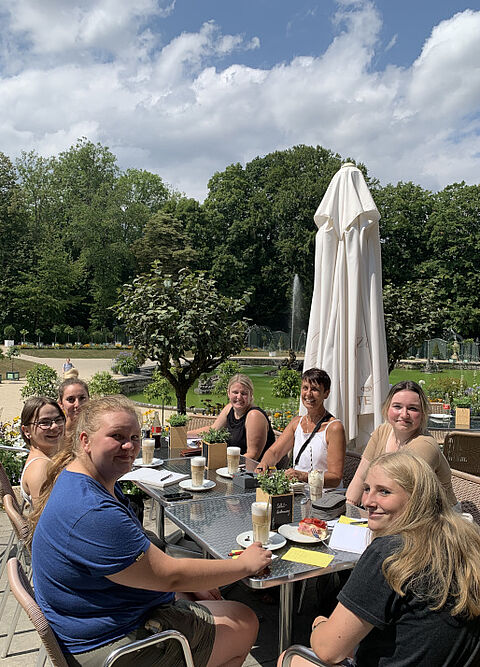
(330, 506)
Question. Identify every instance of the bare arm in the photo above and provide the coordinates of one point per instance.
(336, 446)
(336, 638)
(280, 447)
(220, 422)
(256, 430)
(34, 477)
(355, 488)
(156, 571)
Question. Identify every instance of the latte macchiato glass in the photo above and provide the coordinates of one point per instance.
(315, 482)
(148, 445)
(198, 464)
(261, 522)
(233, 459)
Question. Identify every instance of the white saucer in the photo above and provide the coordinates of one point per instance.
(290, 531)
(187, 485)
(275, 541)
(154, 464)
(223, 472)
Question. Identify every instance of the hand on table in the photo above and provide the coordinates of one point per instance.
(300, 476)
(256, 558)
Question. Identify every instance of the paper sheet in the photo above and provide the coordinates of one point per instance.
(349, 537)
(153, 477)
(356, 522)
(298, 555)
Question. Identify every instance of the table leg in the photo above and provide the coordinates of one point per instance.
(160, 521)
(285, 616)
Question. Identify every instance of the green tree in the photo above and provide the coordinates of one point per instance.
(56, 329)
(412, 314)
(39, 334)
(24, 333)
(9, 332)
(159, 390)
(41, 381)
(287, 383)
(68, 331)
(225, 372)
(184, 322)
(11, 353)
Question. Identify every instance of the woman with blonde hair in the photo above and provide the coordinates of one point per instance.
(414, 596)
(248, 425)
(405, 411)
(102, 583)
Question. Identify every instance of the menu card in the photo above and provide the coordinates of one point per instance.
(350, 537)
(157, 478)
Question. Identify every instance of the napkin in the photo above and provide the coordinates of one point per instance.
(297, 555)
(153, 477)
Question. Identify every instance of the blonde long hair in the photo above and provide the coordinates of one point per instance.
(439, 558)
(89, 418)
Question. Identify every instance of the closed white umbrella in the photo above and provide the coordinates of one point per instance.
(346, 332)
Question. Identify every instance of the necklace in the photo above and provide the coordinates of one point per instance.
(314, 423)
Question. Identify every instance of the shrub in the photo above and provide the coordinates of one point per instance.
(158, 390)
(41, 381)
(13, 465)
(103, 384)
(125, 363)
(225, 372)
(274, 483)
(287, 383)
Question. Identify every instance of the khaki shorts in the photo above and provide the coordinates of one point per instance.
(193, 620)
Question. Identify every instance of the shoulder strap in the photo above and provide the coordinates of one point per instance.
(324, 419)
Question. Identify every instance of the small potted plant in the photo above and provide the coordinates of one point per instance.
(136, 497)
(274, 488)
(178, 433)
(214, 446)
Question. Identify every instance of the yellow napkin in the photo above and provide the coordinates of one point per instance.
(297, 555)
(357, 522)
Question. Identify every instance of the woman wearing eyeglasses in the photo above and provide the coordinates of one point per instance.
(43, 425)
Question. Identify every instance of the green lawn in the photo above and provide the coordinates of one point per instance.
(55, 353)
(265, 399)
(261, 382)
(18, 365)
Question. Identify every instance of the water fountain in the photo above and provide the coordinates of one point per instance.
(296, 305)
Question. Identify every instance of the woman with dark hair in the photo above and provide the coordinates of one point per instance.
(42, 427)
(414, 596)
(72, 394)
(317, 439)
(98, 578)
(405, 411)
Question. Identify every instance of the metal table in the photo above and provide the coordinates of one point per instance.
(224, 487)
(214, 524)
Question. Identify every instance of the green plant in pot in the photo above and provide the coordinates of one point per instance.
(214, 446)
(136, 497)
(274, 488)
(178, 433)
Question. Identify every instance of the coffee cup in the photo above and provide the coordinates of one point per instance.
(315, 482)
(148, 446)
(198, 470)
(233, 459)
(261, 522)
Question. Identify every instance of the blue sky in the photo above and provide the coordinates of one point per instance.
(186, 87)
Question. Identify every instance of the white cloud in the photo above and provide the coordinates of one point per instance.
(99, 69)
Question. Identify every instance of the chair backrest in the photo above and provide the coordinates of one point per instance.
(467, 490)
(352, 459)
(197, 421)
(6, 488)
(462, 451)
(438, 408)
(23, 592)
(18, 521)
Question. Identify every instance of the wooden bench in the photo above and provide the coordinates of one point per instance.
(465, 486)
(198, 421)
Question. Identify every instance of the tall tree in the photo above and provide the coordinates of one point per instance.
(183, 324)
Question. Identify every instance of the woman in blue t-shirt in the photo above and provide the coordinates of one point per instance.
(414, 595)
(99, 580)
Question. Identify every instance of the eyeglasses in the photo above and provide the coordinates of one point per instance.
(48, 423)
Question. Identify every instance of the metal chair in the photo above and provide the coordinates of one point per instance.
(6, 488)
(23, 592)
(20, 527)
(303, 652)
(462, 451)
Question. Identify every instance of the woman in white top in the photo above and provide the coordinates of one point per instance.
(326, 449)
(43, 425)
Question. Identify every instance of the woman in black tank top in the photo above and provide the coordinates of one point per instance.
(249, 426)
